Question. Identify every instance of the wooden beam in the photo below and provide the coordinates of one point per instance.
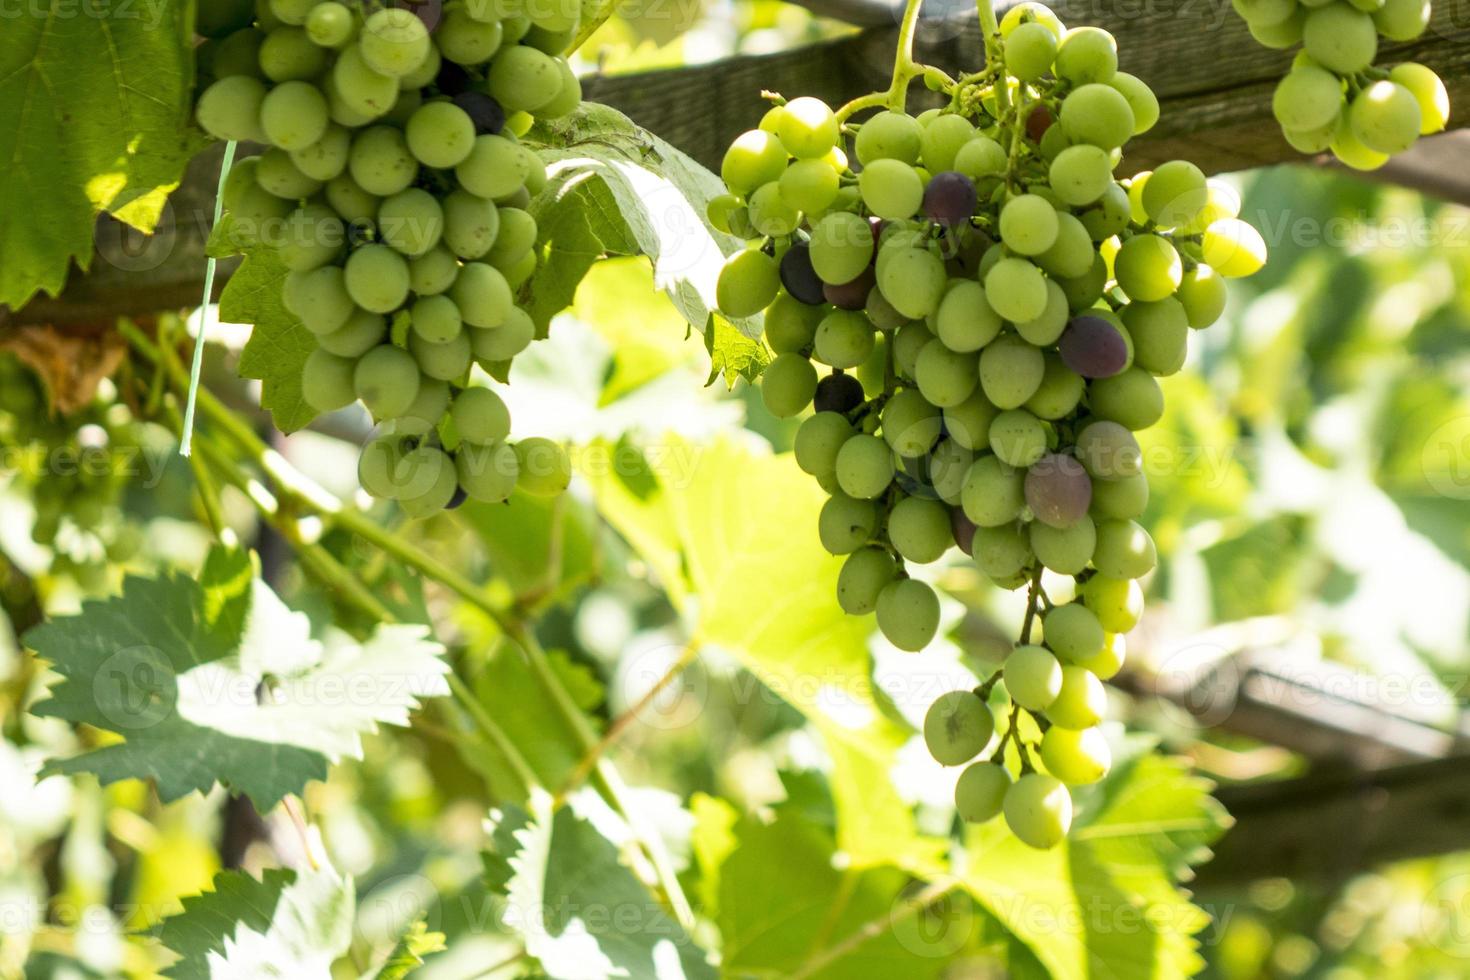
(1213, 80)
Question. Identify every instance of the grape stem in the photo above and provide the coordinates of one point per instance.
(905, 70)
(994, 54)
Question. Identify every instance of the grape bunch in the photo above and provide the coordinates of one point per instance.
(1334, 98)
(395, 188)
(977, 311)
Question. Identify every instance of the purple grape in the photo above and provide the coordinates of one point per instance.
(851, 295)
(484, 112)
(949, 199)
(453, 79)
(798, 276)
(838, 392)
(457, 501)
(1058, 490)
(1093, 347)
(963, 529)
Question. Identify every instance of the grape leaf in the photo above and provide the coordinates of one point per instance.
(408, 953)
(1106, 903)
(286, 924)
(216, 680)
(731, 535)
(93, 113)
(279, 343)
(616, 189)
(579, 910)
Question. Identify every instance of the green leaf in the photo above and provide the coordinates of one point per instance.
(732, 354)
(616, 189)
(93, 116)
(579, 910)
(732, 537)
(215, 680)
(287, 924)
(1106, 903)
(409, 952)
(279, 343)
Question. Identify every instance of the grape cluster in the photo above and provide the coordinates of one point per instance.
(1334, 98)
(395, 189)
(978, 312)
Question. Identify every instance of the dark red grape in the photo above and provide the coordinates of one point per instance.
(1058, 490)
(798, 276)
(964, 530)
(484, 112)
(1038, 122)
(838, 392)
(431, 12)
(453, 79)
(949, 199)
(457, 501)
(1093, 347)
(851, 295)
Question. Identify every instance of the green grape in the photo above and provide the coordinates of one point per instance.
(1109, 660)
(1117, 603)
(1080, 174)
(949, 464)
(965, 320)
(864, 575)
(1120, 500)
(1073, 631)
(441, 135)
(480, 416)
(891, 189)
(1003, 554)
(312, 237)
(278, 173)
(377, 278)
(1028, 224)
(355, 205)
(294, 116)
(889, 136)
(1385, 117)
(224, 17)
(288, 54)
(748, 283)
(864, 463)
(846, 524)
(1160, 335)
(1286, 34)
(318, 298)
(1016, 290)
(471, 224)
(1018, 438)
(1348, 149)
(258, 214)
(994, 493)
(968, 423)
(1059, 393)
(1010, 371)
(941, 140)
(807, 128)
(361, 333)
(466, 41)
(818, 441)
(1176, 192)
(1401, 20)
(1340, 38)
(912, 279)
(1097, 114)
(945, 378)
(1131, 398)
(981, 157)
(1311, 141)
(908, 340)
(1038, 809)
(431, 403)
(568, 96)
(1065, 550)
(494, 167)
(1124, 550)
(230, 109)
(1024, 13)
(755, 158)
(330, 25)
(1033, 677)
(387, 381)
(411, 222)
(841, 247)
(788, 385)
(482, 295)
(808, 185)
(1077, 758)
(1141, 100)
(326, 381)
(1203, 292)
(1221, 201)
(326, 159)
(1428, 90)
(1233, 248)
(957, 727)
(436, 319)
(1072, 253)
(516, 239)
(523, 79)
(791, 325)
(911, 425)
(1110, 215)
(919, 529)
(1045, 329)
(488, 472)
(1084, 291)
(498, 345)
(292, 11)
(1030, 51)
(426, 481)
(378, 461)
(908, 614)
(1108, 451)
(1087, 54)
(979, 793)
(1307, 98)
(769, 213)
(1081, 703)
(545, 468)
(1148, 268)
(381, 162)
(241, 178)
(433, 272)
(366, 92)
